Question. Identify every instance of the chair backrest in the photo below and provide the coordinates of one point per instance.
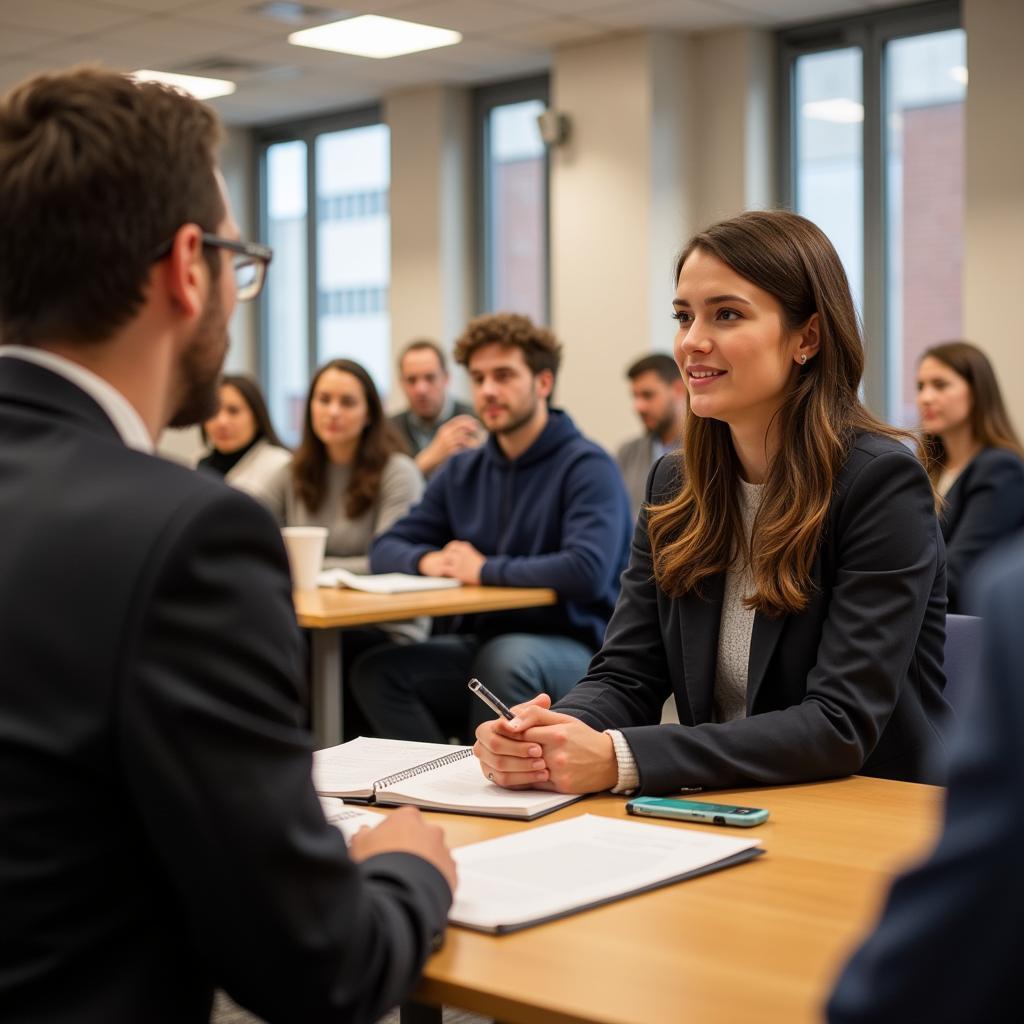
(962, 657)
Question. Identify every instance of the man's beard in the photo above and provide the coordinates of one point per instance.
(519, 421)
(201, 364)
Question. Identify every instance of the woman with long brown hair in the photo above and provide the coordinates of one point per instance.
(349, 473)
(785, 584)
(973, 455)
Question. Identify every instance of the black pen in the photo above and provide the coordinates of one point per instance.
(494, 703)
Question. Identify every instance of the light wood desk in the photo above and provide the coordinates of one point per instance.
(760, 942)
(327, 611)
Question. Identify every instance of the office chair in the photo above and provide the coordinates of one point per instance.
(962, 657)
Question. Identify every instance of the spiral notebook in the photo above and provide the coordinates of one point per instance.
(433, 776)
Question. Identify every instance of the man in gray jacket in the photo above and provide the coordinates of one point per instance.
(659, 399)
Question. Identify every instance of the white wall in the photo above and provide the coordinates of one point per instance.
(655, 153)
(431, 216)
(994, 209)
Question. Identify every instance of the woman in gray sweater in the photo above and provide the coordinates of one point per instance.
(350, 475)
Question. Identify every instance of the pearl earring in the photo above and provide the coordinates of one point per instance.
(803, 359)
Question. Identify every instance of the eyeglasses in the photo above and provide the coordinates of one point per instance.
(249, 263)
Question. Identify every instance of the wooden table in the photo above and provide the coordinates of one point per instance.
(326, 612)
(760, 942)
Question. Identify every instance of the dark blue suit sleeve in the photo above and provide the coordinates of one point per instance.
(950, 943)
(211, 711)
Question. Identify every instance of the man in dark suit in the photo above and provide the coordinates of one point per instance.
(159, 833)
(950, 943)
(436, 425)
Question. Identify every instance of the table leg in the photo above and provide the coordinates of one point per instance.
(326, 689)
(419, 1013)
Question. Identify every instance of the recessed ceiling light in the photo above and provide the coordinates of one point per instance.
(200, 88)
(838, 111)
(370, 35)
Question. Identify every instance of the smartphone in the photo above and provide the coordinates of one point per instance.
(696, 810)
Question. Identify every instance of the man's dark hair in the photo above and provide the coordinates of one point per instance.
(97, 171)
(540, 349)
(664, 366)
(424, 345)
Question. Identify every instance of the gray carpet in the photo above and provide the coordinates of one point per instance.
(227, 1012)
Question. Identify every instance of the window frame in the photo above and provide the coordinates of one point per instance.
(871, 32)
(305, 131)
(485, 99)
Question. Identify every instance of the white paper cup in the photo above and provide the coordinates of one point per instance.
(305, 546)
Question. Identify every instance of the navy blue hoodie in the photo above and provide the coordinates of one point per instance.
(557, 516)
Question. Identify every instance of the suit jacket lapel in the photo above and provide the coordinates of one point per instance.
(701, 618)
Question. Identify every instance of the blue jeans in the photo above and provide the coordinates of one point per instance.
(418, 691)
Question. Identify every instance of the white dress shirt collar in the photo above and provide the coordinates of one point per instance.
(121, 413)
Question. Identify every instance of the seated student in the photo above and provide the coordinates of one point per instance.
(348, 473)
(948, 947)
(436, 425)
(973, 454)
(538, 505)
(246, 450)
(786, 581)
(659, 400)
(348, 476)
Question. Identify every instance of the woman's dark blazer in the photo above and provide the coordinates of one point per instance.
(984, 506)
(851, 684)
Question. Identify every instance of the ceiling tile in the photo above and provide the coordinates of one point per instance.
(684, 15)
(464, 15)
(553, 32)
(72, 17)
(19, 41)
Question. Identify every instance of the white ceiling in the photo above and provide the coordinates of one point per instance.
(502, 39)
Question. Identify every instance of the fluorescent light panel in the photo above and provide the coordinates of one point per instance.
(370, 35)
(194, 85)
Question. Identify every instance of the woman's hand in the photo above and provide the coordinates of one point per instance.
(543, 749)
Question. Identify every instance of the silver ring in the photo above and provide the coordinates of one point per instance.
(490, 776)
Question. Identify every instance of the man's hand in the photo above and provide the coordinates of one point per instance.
(456, 435)
(573, 757)
(462, 561)
(433, 564)
(405, 831)
(458, 560)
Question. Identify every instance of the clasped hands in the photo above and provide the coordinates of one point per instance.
(544, 749)
(458, 559)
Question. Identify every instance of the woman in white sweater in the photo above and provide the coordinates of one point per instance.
(244, 447)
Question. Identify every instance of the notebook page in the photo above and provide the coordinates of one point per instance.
(351, 769)
(385, 582)
(461, 786)
(551, 869)
(348, 820)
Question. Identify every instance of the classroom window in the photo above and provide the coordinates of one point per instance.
(875, 156)
(514, 194)
(327, 291)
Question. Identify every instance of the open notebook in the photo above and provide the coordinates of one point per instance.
(433, 776)
(527, 878)
(383, 583)
(349, 820)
